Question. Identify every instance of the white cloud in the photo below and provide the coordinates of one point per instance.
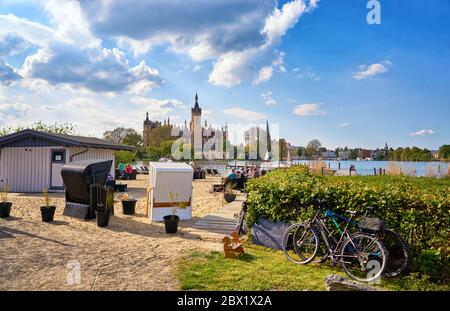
(422, 133)
(278, 23)
(371, 70)
(231, 68)
(157, 108)
(70, 23)
(305, 73)
(264, 74)
(309, 110)
(268, 99)
(12, 44)
(197, 68)
(8, 74)
(93, 69)
(244, 114)
(35, 33)
(344, 124)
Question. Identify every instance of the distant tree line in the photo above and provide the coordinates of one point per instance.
(314, 149)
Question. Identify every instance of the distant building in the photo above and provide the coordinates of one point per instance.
(365, 154)
(148, 127)
(202, 136)
(435, 154)
(344, 154)
(329, 155)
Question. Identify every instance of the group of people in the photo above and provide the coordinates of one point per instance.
(124, 170)
(239, 177)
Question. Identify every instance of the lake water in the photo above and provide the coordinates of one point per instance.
(364, 168)
(408, 168)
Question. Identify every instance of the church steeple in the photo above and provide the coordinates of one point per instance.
(196, 108)
(269, 142)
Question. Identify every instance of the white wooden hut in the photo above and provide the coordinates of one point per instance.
(170, 184)
(32, 160)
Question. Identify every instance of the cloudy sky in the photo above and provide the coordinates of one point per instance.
(316, 68)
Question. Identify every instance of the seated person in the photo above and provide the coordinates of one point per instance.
(232, 175)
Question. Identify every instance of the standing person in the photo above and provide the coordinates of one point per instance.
(129, 171)
(121, 168)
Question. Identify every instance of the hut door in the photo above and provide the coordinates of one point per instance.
(58, 159)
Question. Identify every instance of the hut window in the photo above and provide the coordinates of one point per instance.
(58, 156)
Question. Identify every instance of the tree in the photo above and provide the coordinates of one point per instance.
(120, 134)
(132, 138)
(55, 128)
(444, 152)
(313, 147)
(336, 151)
(299, 152)
(124, 156)
(353, 154)
(283, 149)
(160, 134)
(164, 150)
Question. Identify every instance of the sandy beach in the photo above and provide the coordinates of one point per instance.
(132, 253)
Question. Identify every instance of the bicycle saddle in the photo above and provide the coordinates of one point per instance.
(353, 213)
(370, 207)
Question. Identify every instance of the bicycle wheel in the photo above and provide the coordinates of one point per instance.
(322, 252)
(300, 243)
(363, 257)
(398, 253)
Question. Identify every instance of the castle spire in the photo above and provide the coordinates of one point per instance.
(196, 108)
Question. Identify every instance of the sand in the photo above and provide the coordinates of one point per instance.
(132, 253)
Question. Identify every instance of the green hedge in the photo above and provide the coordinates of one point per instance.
(418, 208)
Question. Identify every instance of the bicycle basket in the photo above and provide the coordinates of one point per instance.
(370, 224)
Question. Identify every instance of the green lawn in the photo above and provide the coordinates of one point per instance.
(264, 269)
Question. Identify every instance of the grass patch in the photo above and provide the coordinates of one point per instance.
(265, 269)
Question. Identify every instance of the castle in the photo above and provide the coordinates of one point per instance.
(202, 137)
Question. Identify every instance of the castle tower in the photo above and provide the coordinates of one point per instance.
(148, 126)
(196, 129)
(146, 131)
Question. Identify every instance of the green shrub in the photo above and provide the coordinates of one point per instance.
(418, 208)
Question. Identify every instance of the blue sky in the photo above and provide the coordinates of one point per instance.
(316, 68)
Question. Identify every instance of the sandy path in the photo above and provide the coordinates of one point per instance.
(132, 253)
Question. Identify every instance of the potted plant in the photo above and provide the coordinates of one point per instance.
(171, 221)
(229, 195)
(5, 206)
(102, 213)
(128, 204)
(47, 211)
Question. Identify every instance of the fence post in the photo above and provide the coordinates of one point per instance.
(374, 171)
(322, 170)
(339, 165)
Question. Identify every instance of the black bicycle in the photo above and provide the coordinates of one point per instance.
(363, 257)
(398, 249)
(240, 225)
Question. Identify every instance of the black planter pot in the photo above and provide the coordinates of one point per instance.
(103, 218)
(47, 213)
(5, 209)
(171, 223)
(229, 197)
(128, 207)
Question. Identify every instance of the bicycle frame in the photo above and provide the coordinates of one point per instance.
(344, 235)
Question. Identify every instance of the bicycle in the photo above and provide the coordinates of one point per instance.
(240, 225)
(398, 250)
(362, 256)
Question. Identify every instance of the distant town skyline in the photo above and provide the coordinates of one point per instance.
(315, 68)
